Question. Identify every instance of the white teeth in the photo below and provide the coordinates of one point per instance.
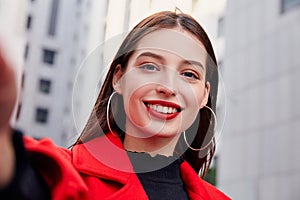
(162, 109)
(165, 110)
(154, 107)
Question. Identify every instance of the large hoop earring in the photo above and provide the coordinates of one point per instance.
(107, 112)
(184, 136)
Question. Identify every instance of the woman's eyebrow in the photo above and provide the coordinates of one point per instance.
(193, 62)
(152, 55)
(161, 59)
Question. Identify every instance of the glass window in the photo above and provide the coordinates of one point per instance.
(220, 66)
(41, 115)
(28, 24)
(53, 17)
(221, 27)
(49, 56)
(26, 51)
(23, 80)
(288, 4)
(18, 111)
(45, 86)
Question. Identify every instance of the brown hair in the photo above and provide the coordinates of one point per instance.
(202, 129)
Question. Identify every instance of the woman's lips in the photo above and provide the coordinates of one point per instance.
(162, 109)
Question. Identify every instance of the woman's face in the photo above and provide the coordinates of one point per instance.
(163, 86)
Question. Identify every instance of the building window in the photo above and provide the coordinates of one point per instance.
(53, 17)
(28, 23)
(26, 51)
(23, 80)
(41, 115)
(18, 111)
(220, 66)
(289, 4)
(221, 27)
(49, 56)
(45, 86)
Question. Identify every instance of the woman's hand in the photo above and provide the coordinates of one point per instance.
(8, 95)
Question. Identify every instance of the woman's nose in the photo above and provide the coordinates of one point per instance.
(167, 85)
(167, 91)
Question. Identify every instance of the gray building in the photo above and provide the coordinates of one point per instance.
(259, 159)
(59, 36)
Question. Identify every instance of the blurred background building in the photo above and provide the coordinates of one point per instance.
(59, 35)
(257, 44)
(259, 158)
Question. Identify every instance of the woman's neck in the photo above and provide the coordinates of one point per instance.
(153, 145)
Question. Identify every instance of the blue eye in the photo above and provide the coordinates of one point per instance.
(191, 75)
(149, 67)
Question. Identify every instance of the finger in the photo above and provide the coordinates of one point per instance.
(8, 90)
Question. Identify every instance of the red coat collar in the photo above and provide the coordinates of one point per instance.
(105, 157)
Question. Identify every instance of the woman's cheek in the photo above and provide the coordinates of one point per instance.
(134, 106)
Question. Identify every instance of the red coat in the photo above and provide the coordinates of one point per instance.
(82, 174)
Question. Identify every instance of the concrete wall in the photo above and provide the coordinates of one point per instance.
(260, 154)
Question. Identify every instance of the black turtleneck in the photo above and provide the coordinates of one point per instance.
(159, 175)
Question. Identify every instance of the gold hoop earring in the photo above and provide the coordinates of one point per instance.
(107, 112)
(184, 136)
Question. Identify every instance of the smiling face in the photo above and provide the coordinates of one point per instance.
(163, 86)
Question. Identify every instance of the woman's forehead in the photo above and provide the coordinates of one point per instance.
(177, 41)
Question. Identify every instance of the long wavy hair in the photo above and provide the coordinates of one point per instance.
(201, 131)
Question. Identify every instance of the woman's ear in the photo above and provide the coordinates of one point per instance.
(206, 95)
(118, 73)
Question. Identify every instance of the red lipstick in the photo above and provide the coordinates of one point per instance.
(163, 116)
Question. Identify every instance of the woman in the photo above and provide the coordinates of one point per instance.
(151, 130)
